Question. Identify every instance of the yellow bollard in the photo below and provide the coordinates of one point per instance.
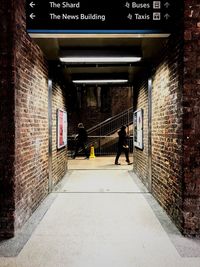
(92, 154)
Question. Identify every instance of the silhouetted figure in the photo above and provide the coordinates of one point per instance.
(122, 145)
(81, 141)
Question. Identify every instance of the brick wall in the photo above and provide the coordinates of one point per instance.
(176, 126)
(59, 157)
(140, 162)
(167, 131)
(121, 99)
(167, 136)
(31, 121)
(82, 109)
(118, 99)
(24, 163)
(191, 125)
(7, 129)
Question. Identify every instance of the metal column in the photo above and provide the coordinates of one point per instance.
(50, 186)
(150, 83)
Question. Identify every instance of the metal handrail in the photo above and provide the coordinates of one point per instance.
(99, 125)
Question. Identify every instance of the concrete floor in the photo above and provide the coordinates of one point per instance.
(103, 218)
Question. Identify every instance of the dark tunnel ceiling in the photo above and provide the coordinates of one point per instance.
(152, 49)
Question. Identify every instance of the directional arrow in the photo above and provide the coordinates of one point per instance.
(32, 4)
(32, 16)
(166, 16)
(167, 4)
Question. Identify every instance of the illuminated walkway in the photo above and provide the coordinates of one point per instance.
(104, 218)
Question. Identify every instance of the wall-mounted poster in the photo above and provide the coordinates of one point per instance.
(138, 128)
(61, 128)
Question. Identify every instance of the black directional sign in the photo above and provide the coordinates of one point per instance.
(105, 16)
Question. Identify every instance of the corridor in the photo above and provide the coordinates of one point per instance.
(98, 218)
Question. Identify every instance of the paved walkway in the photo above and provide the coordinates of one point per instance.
(104, 218)
(99, 163)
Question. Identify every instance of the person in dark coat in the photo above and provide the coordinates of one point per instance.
(81, 141)
(122, 146)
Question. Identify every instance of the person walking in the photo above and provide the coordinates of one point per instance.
(122, 146)
(81, 141)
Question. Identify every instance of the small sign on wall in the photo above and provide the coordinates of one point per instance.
(138, 128)
(61, 128)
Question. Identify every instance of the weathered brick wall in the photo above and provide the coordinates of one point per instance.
(31, 121)
(176, 126)
(24, 121)
(81, 112)
(118, 99)
(167, 131)
(121, 99)
(167, 134)
(59, 156)
(140, 161)
(191, 125)
(82, 115)
(7, 129)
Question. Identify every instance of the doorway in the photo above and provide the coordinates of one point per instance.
(103, 108)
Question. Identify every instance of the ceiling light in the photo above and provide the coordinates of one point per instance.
(99, 59)
(101, 56)
(98, 81)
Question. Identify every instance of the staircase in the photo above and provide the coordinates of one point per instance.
(104, 135)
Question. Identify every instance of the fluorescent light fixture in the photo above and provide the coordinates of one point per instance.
(98, 81)
(101, 56)
(99, 59)
(96, 36)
